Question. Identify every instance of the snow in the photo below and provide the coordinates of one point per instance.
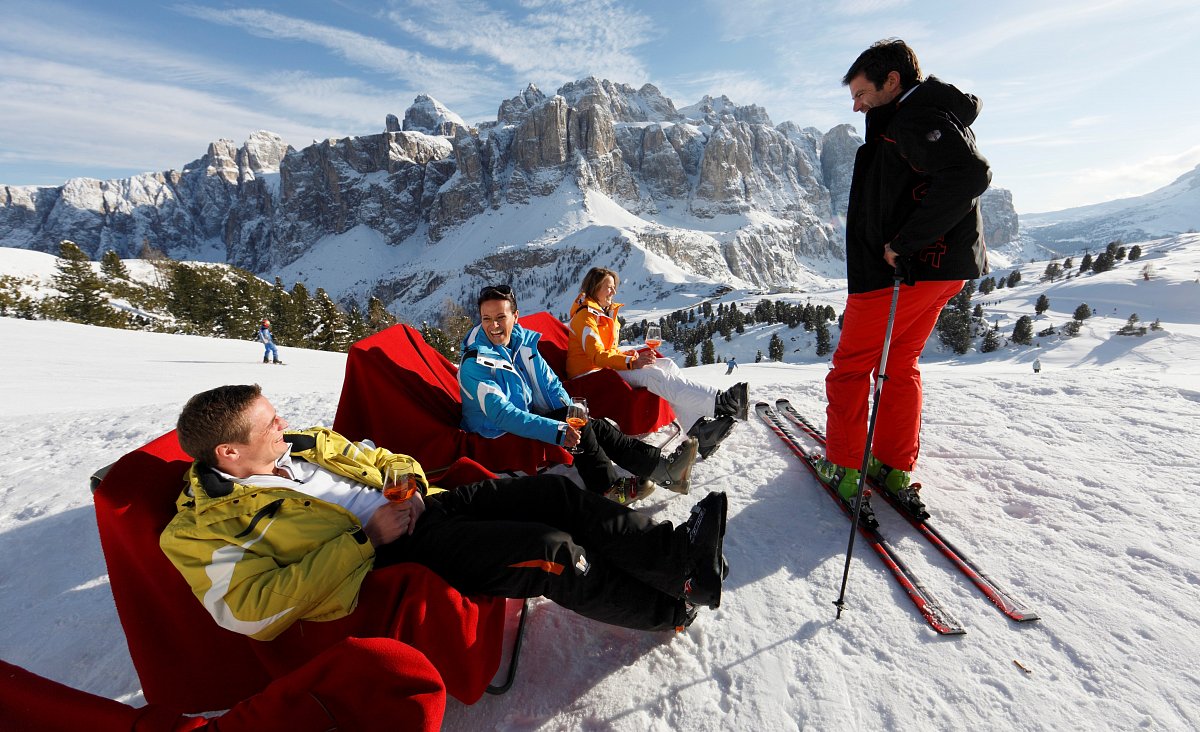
(1074, 487)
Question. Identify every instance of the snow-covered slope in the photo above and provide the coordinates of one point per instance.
(1173, 209)
(1073, 486)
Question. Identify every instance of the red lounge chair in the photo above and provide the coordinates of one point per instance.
(403, 395)
(635, 410)
(187, 662)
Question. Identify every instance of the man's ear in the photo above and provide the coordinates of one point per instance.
(226, 454)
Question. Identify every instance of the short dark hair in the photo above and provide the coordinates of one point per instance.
(215, 417)
(497, 292)
(883, 57)
(594, 277)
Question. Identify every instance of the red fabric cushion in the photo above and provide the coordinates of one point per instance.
(403, 395)
(186, 661)
(635, 410)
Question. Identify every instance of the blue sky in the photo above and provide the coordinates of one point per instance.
(1084, 100)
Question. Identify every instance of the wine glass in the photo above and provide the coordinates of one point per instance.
(399, 486)
(577, 417)
(653, 337)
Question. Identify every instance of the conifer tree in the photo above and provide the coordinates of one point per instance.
(1082, 312)
(378, 316)
(758, 357)
(1014, 278)
(690, 359)
(775, 348)
(1086, 264)
(1023, 331)
(824, 344)
(991, 339)
(1042, 305)
(356, 324)
(297, 318)
(112, 266)
(82, 298)
(329, 332)
(708, 352)
(1135, 253)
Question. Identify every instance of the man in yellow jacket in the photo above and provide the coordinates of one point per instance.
(276, 526)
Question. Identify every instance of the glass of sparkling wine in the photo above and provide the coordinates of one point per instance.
(653, 337)
(577, 417)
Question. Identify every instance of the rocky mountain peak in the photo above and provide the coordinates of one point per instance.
(432, 117)
(714, 110)
(512, 110)
(622, 101)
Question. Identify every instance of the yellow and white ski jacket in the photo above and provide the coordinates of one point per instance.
(261, 558)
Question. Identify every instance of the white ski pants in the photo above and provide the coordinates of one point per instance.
(691, 400)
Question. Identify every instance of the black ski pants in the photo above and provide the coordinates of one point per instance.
(543, 536)
(601, 444)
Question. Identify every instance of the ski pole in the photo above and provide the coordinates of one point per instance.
(880, 377)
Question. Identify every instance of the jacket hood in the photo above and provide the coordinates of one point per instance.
(933, 92)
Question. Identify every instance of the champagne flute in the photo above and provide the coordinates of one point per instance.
(577, 417)
(653, 337)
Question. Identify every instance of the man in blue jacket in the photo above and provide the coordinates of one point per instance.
(508, 387)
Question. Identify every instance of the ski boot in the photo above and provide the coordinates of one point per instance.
(674, 471)
(630, 489)
(845, 482)
(710, 433)
(734, 402)
(706, 565)
(899, 485)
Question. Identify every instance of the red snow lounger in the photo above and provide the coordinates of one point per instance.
(403, 395)
(635, 410)
(187, 662)
(367, 684)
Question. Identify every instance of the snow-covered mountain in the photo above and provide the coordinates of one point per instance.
(1173, 209)
(429, 209)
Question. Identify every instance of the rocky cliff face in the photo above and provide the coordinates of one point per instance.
(264, 206)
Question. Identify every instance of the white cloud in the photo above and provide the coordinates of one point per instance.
(362, 50)
(550, 42)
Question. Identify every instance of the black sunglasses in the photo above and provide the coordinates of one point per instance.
(502, 290)
(497, 292)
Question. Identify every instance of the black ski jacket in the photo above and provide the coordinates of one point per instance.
(917, 182)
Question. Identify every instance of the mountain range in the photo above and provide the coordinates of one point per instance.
(430, 208)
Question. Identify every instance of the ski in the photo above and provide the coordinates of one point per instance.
(1000, 597)
(938, 617)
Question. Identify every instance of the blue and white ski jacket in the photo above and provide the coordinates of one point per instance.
(507, 389)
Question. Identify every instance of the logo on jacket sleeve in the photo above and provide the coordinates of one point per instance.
(933, 135)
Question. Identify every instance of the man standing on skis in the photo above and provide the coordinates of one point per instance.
(913, 212)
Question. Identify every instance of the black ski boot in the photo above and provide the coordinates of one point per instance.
(710, 433)
(734, 402)
(706, 566)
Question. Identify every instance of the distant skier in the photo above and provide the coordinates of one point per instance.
(270, 352)
(732, 364)
(1037, 365)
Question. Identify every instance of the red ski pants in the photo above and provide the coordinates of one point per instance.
(897, 438)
